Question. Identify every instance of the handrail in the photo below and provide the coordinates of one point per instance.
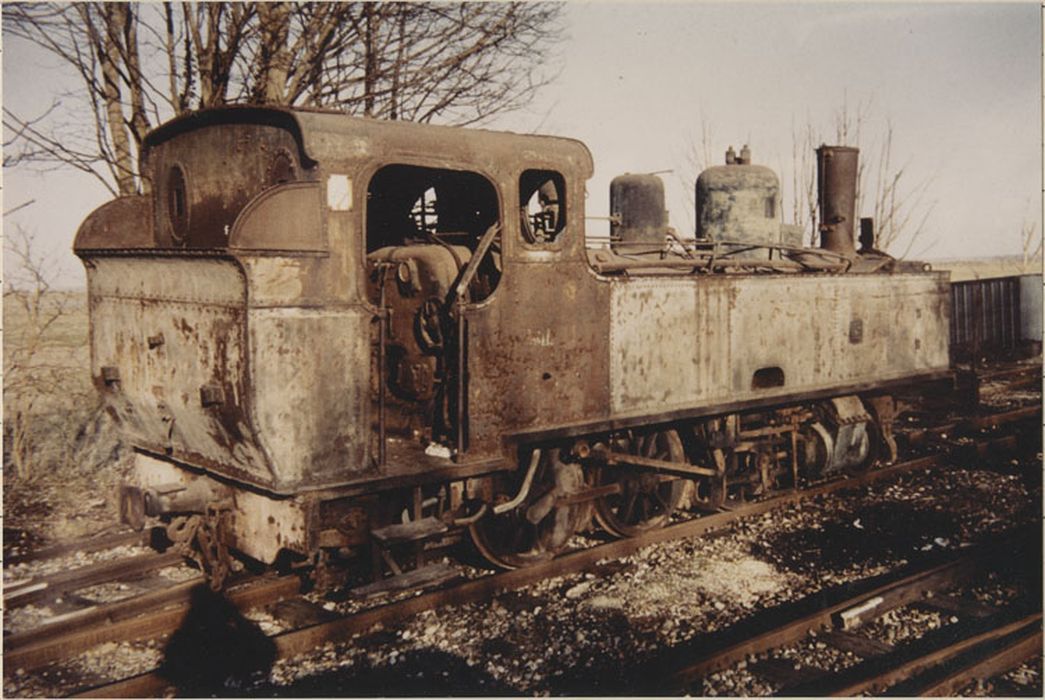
(472, 268)
(709, 255)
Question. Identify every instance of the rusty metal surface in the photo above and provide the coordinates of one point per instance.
(837, 173)
(326, 136)
(198, 306)
(697, 341)
(125, 222)
(221, 169)
(1031, 308)
(287, 408)
(285, 218)
(637, 211)
(238, 334)
(332, 136)
(308, 394)
(536, 352)
(739, 202)
(260, 525)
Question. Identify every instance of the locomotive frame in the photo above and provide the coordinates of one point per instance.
(323, 333)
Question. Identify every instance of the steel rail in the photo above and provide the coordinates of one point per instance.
(994, 420)
(56, 584)
(1024, 645)
(975, 423)
(28, 652)
(34, 648)
(301, 640)
(792, 622)
(883, 672)
(885, 597)
(145, 617)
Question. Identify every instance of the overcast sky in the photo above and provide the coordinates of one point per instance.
(960, 83)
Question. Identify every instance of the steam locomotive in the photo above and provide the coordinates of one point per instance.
(332, 337)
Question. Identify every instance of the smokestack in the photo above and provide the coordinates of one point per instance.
(837, 169)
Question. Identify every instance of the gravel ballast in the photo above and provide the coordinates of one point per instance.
(590, 633)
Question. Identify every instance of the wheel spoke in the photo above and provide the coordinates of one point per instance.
(633, 496)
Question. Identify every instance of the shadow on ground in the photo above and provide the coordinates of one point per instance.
(216, 651)
(874, 534)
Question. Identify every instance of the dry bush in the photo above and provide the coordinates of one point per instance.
(53, 422)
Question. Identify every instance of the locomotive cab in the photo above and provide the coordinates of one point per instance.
(423, 226)
(287, 301)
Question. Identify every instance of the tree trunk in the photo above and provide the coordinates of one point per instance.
(272, 64)
(109, 57)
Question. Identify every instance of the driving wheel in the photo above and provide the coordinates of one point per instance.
(646, 499)
(541, 525)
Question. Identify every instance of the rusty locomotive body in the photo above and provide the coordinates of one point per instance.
(324, 334)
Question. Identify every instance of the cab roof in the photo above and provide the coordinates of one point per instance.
(326, 137)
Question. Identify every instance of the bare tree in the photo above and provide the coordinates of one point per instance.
(804, 180)
(901, 209)
(456, 63)
(697, 157)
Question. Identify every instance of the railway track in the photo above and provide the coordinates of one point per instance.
(159, 613)
(44, 588)
(981, 641)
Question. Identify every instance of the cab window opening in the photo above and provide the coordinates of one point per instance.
(177, 204)
(410, 204)
(434, 209)
(542, 200)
